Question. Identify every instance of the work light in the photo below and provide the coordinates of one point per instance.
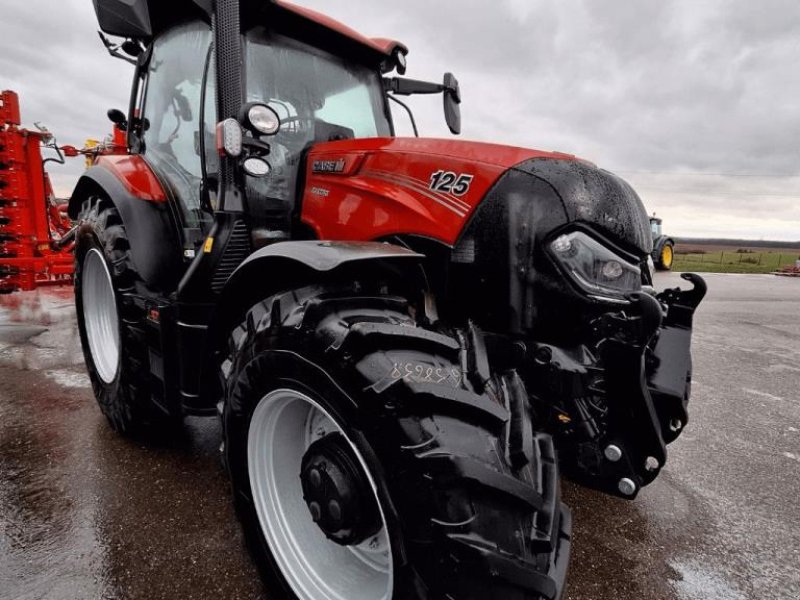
(263, 119)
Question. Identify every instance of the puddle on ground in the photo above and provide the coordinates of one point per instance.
(69, 379)
(699, 582)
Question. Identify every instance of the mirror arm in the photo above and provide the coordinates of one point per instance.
(408, 87)
(408, 110)
(114, 50)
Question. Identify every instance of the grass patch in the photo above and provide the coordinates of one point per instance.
(734, 262)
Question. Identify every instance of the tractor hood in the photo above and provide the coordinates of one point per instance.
(375, 188)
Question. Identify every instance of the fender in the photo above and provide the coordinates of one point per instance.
(137, 195)
(288, 264)
(659, 244)
(283, 266)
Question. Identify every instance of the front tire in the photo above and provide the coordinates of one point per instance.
(109, 298)
(467, 493)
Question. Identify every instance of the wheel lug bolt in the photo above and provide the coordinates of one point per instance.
(626, 486)
(316, 511)
(315, 478)
(335, 510)
(613, 453)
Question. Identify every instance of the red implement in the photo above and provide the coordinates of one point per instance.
(35, 232)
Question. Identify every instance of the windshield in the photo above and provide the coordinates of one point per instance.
(319, 98)
(656, 227)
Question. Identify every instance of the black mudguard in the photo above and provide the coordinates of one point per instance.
(272, 269)
(285, 264)
(155, 246)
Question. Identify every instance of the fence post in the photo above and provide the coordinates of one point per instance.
(721, 257)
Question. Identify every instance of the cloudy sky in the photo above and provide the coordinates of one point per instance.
(695, 102)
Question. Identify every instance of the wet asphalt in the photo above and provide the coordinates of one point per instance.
(87, 514)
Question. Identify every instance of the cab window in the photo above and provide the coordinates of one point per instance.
(172, 112)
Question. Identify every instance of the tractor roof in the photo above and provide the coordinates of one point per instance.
(145, 19)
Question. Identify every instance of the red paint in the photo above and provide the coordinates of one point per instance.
(120, 138)
(9, 109)
(388, 46)
(30, 217)
(383, 46)
(134, 173)
(390, 194)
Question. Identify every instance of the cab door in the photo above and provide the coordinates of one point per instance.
(175, 132)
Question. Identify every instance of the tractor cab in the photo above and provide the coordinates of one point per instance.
(314, 95)
(655, 227)
(321, 81)
(318, 93)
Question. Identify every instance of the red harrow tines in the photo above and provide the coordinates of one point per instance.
(35, 233)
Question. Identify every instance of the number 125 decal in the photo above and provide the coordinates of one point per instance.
(449, 182)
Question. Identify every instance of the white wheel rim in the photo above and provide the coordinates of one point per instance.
(100, 315)
(284, 425)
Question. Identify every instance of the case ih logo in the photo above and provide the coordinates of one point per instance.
(329, 166)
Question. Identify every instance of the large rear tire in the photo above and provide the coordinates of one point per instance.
(110, 302)
(666, 257)
(464, 494)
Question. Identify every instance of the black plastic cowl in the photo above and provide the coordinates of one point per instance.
(519, 289)
(597, 198)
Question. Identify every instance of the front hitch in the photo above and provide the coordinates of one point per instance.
(616, 401)
(669, 360)
(633, 448)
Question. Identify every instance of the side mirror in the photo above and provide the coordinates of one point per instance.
(117, 117)
(452, 103)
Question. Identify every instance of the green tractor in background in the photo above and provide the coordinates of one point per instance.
(663, 246)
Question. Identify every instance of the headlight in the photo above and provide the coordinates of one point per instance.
(599, 271)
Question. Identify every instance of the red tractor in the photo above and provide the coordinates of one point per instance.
(396, 333)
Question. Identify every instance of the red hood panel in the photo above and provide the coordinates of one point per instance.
(481, 152)
(372, 188)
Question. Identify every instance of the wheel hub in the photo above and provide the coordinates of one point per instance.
(337, 492)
